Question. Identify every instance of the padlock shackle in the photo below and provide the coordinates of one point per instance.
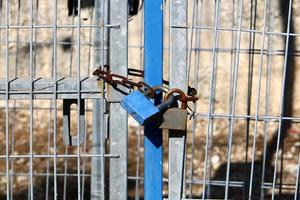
(183, 97)
(152, 90)
(143, 84)
(165, 104)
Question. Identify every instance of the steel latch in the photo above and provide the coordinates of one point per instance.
(67, 137)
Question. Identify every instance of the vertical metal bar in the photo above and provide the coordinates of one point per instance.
(194, 121)
(35, 37)
(233, 55)
(65, 172)
(101, 59)
(139, 131)
(118, 145)
(118, 116)
(233, 105)
(17, 37)
(48, 152)
(198, 15)
(282, 103)
(208, 138)
(71, 49)
(178, 78)
(257, 100)
(31, 98)
(191, 36)
(297, 180)
(54, 67)
(253, 18)
(101, 34)
(13, 133)
(153, 41)
(84, 160)
(137, 173)
(267, 97)
(7, 101)
(97, 179)
(91, 62)
(79, 97)
(66, 147)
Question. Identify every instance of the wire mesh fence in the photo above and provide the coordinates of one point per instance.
(243, 62)
(242, 140)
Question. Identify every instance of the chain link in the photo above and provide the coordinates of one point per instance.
(116, 79)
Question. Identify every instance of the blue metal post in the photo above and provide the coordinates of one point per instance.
(153, 28)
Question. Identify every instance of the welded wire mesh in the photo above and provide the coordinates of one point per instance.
(244, 138)
(42, 43)
(242, 141)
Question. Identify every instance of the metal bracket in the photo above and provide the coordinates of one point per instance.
(67, 137)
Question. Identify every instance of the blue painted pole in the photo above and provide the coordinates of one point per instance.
(153, 154)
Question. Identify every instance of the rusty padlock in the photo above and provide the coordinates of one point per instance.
(175, 118)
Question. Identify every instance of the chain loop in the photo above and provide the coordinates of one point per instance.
(116, 79)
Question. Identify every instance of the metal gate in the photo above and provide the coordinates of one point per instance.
(65, 135)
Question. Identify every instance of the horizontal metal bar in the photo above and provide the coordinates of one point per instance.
(43, 88)
(60, 156)
(11, 108)
(240, 184)
(66, 43)
(191, 199)
(45, 174)
(232, 184)
(212, 28)
(115, 26)
(275, 52)
(263, 118)
(197, 182)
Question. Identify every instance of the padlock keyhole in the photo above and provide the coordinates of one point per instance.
(73, 119)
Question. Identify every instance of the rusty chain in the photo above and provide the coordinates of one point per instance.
(116, 79)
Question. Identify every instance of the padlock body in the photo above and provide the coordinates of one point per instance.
(140, 107)
(175, 119)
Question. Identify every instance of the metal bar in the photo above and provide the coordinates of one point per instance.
(99, 106)
(153, 65)
(178, 79)
(118, 59)
(98, 168)
(270, 19)
(116, 156)
(45, 88)
(254, 51)
(36, 15)
(78, 149)
(233, 55)
(283, 94)
(297, 180)
(209, 131)
(55, 88)
(31, 101)
(257, 103)
(66, 26)
(197, 15)
(48, 152)
(193, 39)
(6, 84)
(139, 131)
(266, 118)
(233, 102)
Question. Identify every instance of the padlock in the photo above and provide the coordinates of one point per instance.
(139, 106)
(175, 118)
